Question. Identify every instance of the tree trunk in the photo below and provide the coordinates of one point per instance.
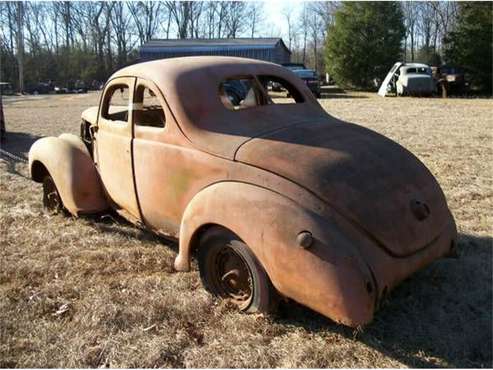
(20, 44)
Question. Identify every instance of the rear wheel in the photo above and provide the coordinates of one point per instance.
(51, 198)
(229, 270)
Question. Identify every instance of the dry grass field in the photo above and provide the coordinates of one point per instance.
(97, 292)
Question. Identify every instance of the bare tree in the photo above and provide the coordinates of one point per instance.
(146, 17)
(121, 23)
(181, 12)
(303, 27)
(410, 10)
(255, 15)
(324, 11)
(287, 12)
(20, 44)
(235, 18)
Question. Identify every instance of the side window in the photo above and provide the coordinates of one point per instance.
(115, 106)
(147, 108)
(280, 91)
(241, 93)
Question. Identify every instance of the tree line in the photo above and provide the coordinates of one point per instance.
(367, 38)
(63, 41)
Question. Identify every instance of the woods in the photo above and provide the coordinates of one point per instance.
(65, 41)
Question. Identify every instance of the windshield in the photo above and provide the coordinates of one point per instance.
(305, 73)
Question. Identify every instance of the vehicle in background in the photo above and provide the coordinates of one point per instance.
(78, 87)
(292, 67)
(96, 85)
(39, 88)
(408, 79)
(73, 87)
(310, 78)
(6, 88)
(450, 80)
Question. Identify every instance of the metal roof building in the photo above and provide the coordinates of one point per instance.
(268, 49)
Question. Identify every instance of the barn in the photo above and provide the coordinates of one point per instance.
(268, 49)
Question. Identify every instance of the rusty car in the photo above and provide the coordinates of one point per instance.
(276, 198)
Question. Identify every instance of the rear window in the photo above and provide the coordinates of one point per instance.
(418, 70)
(239, 93)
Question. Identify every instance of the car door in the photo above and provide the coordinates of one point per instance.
(113, 149)
(153, 153)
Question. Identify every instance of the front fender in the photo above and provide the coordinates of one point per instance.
(68, 162)
(329, 277)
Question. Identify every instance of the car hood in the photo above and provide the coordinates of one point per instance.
(373, 182)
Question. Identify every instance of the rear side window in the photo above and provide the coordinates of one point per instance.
(148, 110)
(241, 93)
(116, 103)
(246, 92)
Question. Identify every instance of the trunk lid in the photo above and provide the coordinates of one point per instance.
(371, 180)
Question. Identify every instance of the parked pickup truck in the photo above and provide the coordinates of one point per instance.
(276, 197)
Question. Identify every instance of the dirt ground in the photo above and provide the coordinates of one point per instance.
(97, 292)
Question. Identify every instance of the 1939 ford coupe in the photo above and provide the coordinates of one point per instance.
(277, 197)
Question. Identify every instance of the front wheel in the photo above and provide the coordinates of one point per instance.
(229, 270)
(51, 198)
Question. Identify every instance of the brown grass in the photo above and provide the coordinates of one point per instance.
(93, 292)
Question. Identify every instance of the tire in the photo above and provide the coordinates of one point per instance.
(230, 271)
(52, 201)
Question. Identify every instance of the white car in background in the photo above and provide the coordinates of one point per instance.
(408, 79)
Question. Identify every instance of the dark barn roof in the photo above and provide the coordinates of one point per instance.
(268, 49)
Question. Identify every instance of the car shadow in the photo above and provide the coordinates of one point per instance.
(111, 222)
(441, 315)
(18, 143)
(14, 149)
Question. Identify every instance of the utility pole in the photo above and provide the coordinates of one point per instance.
(20, 43)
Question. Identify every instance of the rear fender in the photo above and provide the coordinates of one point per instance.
(67, 160)
(329, 277)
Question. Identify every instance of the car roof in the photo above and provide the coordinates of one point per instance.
(416, 65)
(190, 86)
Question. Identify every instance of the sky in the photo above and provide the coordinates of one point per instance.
(275, 21)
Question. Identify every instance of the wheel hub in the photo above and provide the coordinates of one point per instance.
(233, 277)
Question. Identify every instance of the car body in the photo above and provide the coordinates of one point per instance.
(6, 88)
(310, 78)
(408, 79)
(39, 88)
(321, 211)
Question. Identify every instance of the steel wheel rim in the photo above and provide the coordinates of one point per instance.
(232, 277)
(51, 197)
